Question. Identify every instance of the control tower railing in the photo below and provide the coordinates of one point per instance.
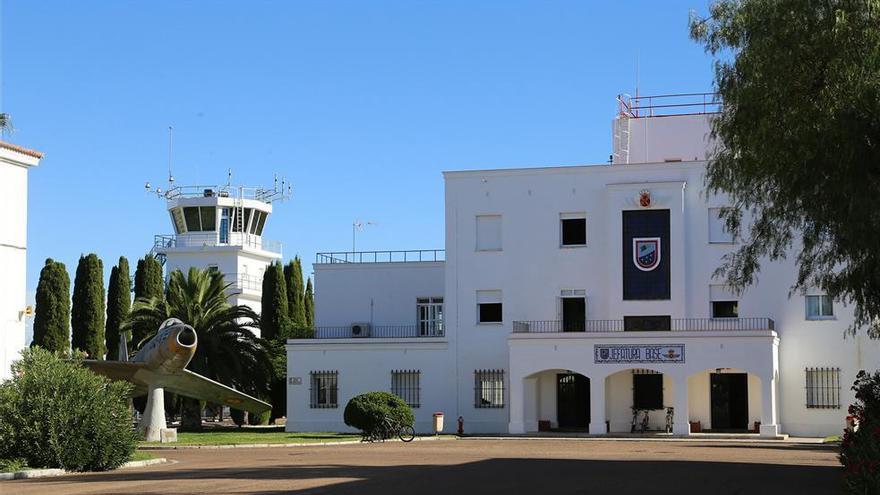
(225, 191)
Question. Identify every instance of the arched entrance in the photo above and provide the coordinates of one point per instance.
(572, 401)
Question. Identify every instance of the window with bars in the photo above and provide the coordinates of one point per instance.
(823, 388)
(324, 389)
(489, 389)
(405, 384)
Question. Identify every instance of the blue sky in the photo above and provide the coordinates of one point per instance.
(360, 104)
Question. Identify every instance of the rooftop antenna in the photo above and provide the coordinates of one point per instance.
(170, 156)
(355, 227)
(638, 69)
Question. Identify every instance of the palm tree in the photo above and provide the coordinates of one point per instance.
(228, 351)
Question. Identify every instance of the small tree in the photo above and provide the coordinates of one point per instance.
(52, 318)
(87, 310)
(118, 306)
(274, 320)
(55, 413)
(310, 305)
(295, 292)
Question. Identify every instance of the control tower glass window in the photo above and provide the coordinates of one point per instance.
(177, 217)
(255, 222)
(200, 219)
(259, 230)
(209, 218)
(193, 223)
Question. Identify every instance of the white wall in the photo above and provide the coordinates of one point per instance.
(378, 293)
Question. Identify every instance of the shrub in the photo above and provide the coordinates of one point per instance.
(56, 414)
(238, 416)
(259, 419)
(366, 411)
(860, 448)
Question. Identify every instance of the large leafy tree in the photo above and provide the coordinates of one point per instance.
(227, 351)
(293, 276)
(87, 308)
(798, 141)
(148, 284)
(52, 318)
(274, 320)
(118, 306)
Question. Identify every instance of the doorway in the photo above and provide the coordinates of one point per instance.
(574, 314)
(729, 401)
(572, 400)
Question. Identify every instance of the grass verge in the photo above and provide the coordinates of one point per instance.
(13, 465)
(239, 436)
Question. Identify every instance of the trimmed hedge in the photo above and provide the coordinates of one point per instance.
(366, 411)
(261, 419)
(55, 413)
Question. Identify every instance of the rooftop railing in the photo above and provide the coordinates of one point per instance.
(676, 325)
(407, 256)
(381, 332)
(671, 104)
(163, 242)
(225, 191)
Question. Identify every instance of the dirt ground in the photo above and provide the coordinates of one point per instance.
(456, 467)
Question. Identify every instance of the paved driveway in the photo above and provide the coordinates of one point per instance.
(456, 467)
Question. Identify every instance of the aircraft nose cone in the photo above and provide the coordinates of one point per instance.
(186, 337)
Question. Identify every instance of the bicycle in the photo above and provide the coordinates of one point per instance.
(388, 429)
(639, 426)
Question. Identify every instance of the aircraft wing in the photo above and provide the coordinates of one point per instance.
(196, 386)
(183, 382)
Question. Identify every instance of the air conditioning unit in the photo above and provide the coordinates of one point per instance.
(360, 330)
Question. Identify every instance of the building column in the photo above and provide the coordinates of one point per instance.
(597, 406)
(681, 415)
(517, 406)
(530, 404)
(769, 418)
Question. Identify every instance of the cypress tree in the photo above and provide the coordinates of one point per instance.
(52, 318)
(87, 310)
(148, 284)
(274, 320)
(118, 306)
(295, 292)
(310, 305)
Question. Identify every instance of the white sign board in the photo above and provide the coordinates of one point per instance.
(638, 353)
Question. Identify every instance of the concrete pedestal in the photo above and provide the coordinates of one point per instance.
(153, 421)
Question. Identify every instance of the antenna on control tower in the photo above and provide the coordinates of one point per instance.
(170, 156)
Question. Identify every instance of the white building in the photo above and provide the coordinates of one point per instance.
(571, 296)
(14, 164)
(221, 228)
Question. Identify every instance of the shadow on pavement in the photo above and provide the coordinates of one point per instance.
(507, 476)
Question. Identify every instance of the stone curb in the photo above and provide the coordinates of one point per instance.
(281, 445)
(48, 473)
(781, 440)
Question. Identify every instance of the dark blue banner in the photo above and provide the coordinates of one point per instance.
(646, 254)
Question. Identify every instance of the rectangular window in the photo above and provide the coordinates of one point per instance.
(573, 229)
(647, 323)
(259, 230)
(324, 389)
(725, 309)
(820, 307)
(717, 230)
(179, 225)
(256, 221)
(209, 218)
(488, 232)
(489, 308)
(430, 316)
(823, 388)
(489, 389)
(191, 214)
(647, 390)
(405, 384)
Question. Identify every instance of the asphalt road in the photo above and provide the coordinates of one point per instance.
(457, 467)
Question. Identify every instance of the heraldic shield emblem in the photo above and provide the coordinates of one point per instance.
(646, 253)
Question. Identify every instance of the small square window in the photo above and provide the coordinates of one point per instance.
(725, 309)
(820, 307)
(823, 388)
(489, 389)
(574, 231)
(489, 308)
(324, 390)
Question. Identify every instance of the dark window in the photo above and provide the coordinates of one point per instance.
(823, 388)
(209, 218)
(490, 312)
(405, 384)
(488, 389)
(324, 389)
(648, 391)
(725, 309)
(191, 214)
(262, 223)
(647, 323)
(574, 231)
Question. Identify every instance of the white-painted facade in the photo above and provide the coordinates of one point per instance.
(504, 244)
(14, 164)
(221, 228)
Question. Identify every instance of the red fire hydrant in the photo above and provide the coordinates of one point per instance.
(460, 425)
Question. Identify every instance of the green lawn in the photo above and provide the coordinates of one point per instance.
(141, 456)
(12, 465)
(238, 436)
(832, 438)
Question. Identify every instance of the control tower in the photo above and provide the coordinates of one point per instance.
(221, 228)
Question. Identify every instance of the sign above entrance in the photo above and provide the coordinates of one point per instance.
(638, 353)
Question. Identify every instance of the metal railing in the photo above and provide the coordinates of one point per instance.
(671, 104)
(677, 325)
(405, 256)
(244, 281)
(380, 332)
(225, 191)
(163, 242)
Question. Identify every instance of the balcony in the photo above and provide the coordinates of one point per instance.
(162, 243)
(675, 325)
(406, 256)
(243, 282)
(382, 332)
